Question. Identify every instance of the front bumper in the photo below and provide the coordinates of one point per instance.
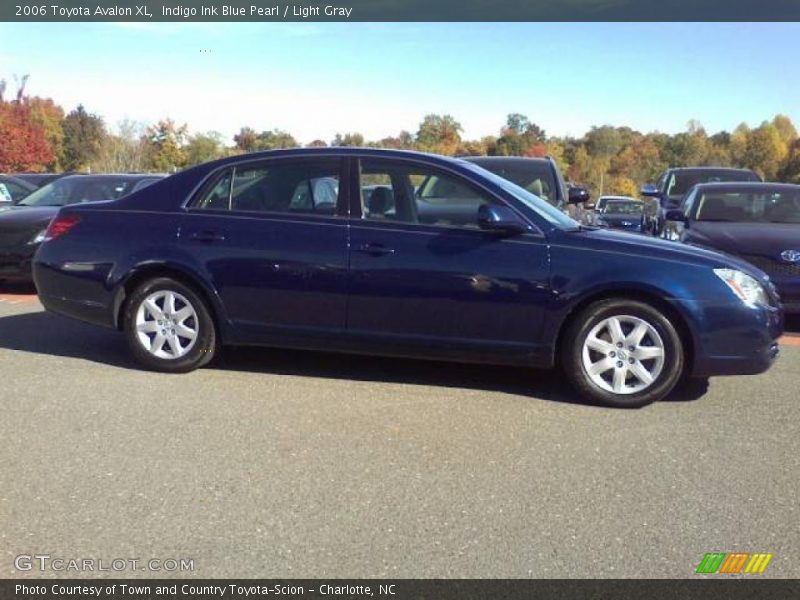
(735, 339)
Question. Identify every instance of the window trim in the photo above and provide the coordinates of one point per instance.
(213, 176)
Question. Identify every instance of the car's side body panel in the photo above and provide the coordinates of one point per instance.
(439, 292)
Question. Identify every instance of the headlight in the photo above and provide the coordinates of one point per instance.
(745, 287)
(38, 238)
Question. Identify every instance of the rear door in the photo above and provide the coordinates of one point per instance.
(425, 279)
(271, 236)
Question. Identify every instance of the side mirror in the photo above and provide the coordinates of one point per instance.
(675, 215)
(650, 190)
(500, 219)
(577, 195)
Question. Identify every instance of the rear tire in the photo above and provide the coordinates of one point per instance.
(169, 327)
(622, 353)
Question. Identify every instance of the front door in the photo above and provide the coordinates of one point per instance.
(424, 278)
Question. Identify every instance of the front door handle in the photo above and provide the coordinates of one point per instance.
(207, 236)
(374, 249)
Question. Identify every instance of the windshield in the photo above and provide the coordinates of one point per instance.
(625, 208)
(681, 182)
(547, 211)
(749, 207)
(534, 176)
(74, 190)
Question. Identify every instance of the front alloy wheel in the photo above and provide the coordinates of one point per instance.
(622, 353)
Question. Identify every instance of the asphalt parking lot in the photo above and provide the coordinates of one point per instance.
(291, 464)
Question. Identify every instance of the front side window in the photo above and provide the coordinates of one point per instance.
(280, 186)
(412, 194)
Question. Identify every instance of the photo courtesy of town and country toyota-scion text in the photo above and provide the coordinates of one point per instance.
(368, 299)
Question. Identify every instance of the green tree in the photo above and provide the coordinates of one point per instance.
(203, 147)
(83, 137)
(274, 140)
(348, 139)
(50, 116)
(245, 140)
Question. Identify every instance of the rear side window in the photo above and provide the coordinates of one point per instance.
(280, 186)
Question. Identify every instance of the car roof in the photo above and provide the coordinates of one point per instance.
(711, 168)
(626, 198)
(115, 176)
(509, 159)
(747, 186)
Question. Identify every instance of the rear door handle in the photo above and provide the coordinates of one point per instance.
(374, 249)
(207, 237)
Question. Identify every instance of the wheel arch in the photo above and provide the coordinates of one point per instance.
(152, 270)
(649, 296)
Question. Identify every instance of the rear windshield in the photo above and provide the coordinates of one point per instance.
(749, 207)
(623, 207)
(681, 182)
(75, 190)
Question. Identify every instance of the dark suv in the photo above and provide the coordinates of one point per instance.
(672, 186)
(539, 176)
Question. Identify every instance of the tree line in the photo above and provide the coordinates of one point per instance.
(36, 134)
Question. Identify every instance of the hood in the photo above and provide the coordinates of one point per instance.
(636, 244)
(765, 239)
(25, 217)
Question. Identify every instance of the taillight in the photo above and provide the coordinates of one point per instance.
(59, 226)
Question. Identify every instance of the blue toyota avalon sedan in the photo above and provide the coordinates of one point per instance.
(343, 249)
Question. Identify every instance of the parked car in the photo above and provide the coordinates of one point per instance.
(671, 188)
(514, 282)
(12, 190)
(22, 226)
(619, 212)
(42, 179)
(758, 222)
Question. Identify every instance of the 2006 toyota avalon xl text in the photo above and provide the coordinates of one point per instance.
(404, 254)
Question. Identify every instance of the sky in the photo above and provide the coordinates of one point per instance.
(317, 79)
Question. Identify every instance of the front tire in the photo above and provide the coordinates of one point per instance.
(622, 353)
(169, 327)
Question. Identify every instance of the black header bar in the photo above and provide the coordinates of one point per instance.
(701, 588)
(399, 10)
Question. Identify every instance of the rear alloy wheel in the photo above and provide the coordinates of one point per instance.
(169, 327)
(623, 353)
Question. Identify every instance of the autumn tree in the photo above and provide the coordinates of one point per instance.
(24, 144)
(166, 146)
(520, 137)
(440, 134)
